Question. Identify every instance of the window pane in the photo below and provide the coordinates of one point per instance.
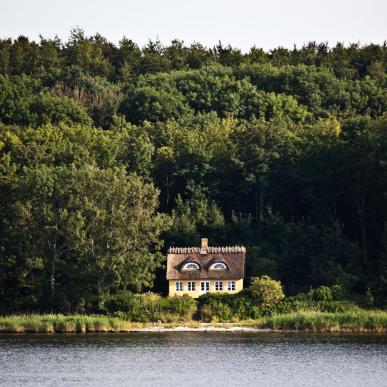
(191, 266)
(218, 266)
(218, 285)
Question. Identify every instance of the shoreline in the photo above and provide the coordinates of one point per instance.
(204, 328)
(363, 321)
(200, 330)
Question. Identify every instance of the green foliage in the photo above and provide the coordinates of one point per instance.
(99, 97)
(147, 103)
(150, 307)
(243, 306)
(355, 321)
(21, 104)
(317, 88)
(109, 153)
(55, 110)
(61, 324)
(193, 218)
(16, 96)
(215, 309)
(84, 229)
(225, 307)
(323, 293)
(172, 95)
(266, 291)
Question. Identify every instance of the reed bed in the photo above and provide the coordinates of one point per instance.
(372, 321)
(57, 323)
(356, 321)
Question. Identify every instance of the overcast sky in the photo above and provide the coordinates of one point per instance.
(242, 23)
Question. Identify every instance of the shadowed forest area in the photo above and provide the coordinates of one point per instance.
(111, 153)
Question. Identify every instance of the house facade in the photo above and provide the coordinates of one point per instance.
(198, 270)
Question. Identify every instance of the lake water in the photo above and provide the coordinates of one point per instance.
(193, 359)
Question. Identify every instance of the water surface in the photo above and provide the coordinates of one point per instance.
(193, 359)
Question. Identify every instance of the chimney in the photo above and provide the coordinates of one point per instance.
(204, 246)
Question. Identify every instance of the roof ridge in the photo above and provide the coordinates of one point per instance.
(209, 249)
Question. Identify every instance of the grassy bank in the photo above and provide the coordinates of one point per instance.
(359, 321)
(56, 323)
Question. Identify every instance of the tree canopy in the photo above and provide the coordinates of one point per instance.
(111, 153)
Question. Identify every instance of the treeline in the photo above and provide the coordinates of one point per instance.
(99, 57)
(109, 154)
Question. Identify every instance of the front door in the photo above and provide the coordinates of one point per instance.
(204, 287)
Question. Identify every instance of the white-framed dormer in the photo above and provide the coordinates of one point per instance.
(191, 266)
(218, 266)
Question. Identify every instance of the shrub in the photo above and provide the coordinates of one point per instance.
(120, 301)
(286, 305)
(326, 293)
(226, 307)
(150, 307)
(323, 293)
(266, 291)
(215, 309)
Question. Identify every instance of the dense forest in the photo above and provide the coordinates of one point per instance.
(111, 153)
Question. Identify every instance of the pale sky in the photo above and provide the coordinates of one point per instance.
(242, 23)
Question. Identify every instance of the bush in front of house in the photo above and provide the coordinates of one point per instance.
(261, 299)
(265, 298)
(266, 291)
(150, 307)
(227, 307)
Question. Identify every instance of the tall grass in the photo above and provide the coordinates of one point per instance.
(310, 321)
(50, 323)
(356, 321)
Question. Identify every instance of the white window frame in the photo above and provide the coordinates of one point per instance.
(205, 287)
(179, 286)
(191, 266)
(218, 286)
(231, 285)
(191, 286)
(218, 266)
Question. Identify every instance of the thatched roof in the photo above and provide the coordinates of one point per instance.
(232, 256)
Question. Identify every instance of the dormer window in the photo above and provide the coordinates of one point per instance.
(218, 266)
(191, 266)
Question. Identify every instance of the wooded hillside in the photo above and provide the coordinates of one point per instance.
(111, 153)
